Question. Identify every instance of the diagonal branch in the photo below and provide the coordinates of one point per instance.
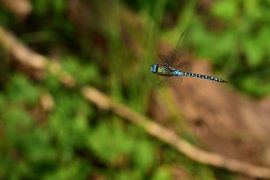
(38, 62)
(104, 102)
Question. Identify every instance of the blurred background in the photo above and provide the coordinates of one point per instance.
(50, 131)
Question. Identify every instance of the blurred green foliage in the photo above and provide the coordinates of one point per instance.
(78, 141)
(232, 34)
(239, 30)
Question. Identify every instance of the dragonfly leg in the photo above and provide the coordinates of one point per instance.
(162, 81)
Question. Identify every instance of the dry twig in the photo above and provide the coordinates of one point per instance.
(31, 59)
(103, 102)
(21, 8)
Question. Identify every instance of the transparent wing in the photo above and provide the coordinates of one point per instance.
(176, 57)
(163, 59)
(184, 66)
(171, 81)
(177, 60)
(175, 80)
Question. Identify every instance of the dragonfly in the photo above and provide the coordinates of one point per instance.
(174, 67)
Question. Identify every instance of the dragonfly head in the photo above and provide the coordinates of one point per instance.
(154, 68)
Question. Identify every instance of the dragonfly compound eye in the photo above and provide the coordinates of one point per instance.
(154, 68)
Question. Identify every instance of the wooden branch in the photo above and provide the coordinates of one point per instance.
(38, 62)
(103, 102)
(28, 58)
(21, 8)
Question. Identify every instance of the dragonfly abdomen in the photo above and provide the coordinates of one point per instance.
(212, 78)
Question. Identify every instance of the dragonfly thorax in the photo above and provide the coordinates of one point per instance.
(154, 68)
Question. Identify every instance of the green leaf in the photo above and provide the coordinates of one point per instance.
(22, 91)
(143, 155)
(17, 121)
(73, 170)
(263, 37)
(162, 174)
(227, 43)
(109, 144)
(82, 73)
(254, 52)
(256, 85)
(225, 9)
(251, 9)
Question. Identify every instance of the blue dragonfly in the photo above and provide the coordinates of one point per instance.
(174, 67)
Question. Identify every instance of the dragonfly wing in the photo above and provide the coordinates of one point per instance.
(180, 50)
(171, 81)
(176, 61)
(174, 80)
(163, 59)
(184, 66)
